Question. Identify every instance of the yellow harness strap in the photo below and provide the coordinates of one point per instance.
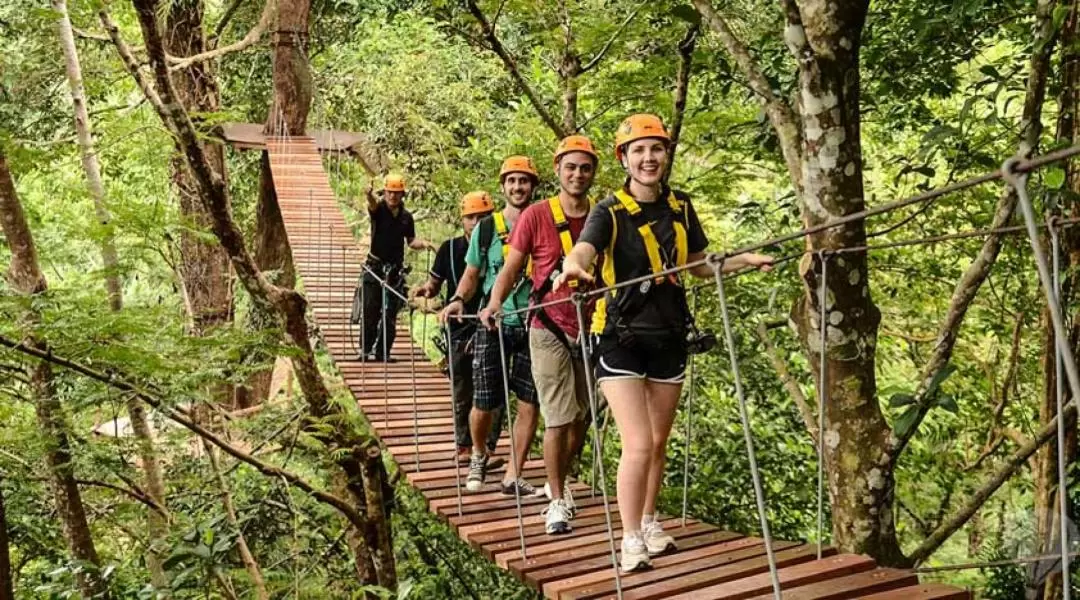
(504, 236)
(563, 227)
(652, 247)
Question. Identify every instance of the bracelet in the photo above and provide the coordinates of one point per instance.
(455, 298)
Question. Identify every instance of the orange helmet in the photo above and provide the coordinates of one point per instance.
(518, 164)
(394, 182)
(639, 127)
(575, 143)
(475, 203)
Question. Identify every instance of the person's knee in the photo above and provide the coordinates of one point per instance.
(659, 447)
(639, 448)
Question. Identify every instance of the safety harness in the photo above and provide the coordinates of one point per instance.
(632, 299)
(497, 226)
(566, 242)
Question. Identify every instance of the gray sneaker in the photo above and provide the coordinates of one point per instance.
(477, 470)
(521, 488)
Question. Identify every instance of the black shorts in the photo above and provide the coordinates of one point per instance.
(659, 358)
(489, 393)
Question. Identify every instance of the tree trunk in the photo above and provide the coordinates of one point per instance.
(90, 163)
(157, 528)
(569, 70)
(362, 555)
(287, 117)
(1047, 486)
(250, 564)
(204, 266)
(7, 589)
(861, 490)
(336, 432)
(682, 90)
(25, 277)
(378, 535)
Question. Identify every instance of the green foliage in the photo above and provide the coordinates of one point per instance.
(942, 86)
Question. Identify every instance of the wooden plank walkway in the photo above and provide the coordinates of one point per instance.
(710, 563)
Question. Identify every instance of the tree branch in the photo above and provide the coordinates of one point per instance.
(515, 73)
(252, 36)
(128, 58)
(968, 286)
(119, 383)
(682, 89)
(595, 60)
(991, 485)
(792, 386)
(226, 18)
(133, 494)
(783, 119)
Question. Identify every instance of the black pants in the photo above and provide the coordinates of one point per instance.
(373, 325)
(463, 398)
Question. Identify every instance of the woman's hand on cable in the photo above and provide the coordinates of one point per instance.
(487, 316)
(761, 262)
(570, 271)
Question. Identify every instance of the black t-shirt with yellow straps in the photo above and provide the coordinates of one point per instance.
(614, 232)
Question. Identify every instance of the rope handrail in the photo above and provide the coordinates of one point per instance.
(1014, 172)
(1018, 165)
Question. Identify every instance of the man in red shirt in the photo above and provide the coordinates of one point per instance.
(546, 231)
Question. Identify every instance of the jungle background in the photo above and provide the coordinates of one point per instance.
(787, 115)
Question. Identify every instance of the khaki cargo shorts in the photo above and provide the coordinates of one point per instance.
(560, 380)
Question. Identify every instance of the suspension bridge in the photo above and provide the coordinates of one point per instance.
(409, 405)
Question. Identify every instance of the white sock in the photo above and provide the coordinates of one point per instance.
(646, 519)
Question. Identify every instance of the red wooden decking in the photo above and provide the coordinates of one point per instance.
(710, 563)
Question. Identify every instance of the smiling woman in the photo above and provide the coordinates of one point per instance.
(639, 333)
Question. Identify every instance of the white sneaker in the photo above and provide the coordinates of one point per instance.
(635, 555)
(656, 541)
(558, 517)
(567, 496)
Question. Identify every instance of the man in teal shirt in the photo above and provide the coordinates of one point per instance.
(487, 251)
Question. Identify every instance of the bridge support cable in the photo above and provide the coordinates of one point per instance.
(453, 409)
(1063, 355)
(759, 492)
(689, 416)
(1059, 396)
(586, 355)
(512, 463)
(823, 390)
(386, 359)
(415, 407)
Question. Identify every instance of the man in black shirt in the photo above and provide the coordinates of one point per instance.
(391, 228)
(449, 266)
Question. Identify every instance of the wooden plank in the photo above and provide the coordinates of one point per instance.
(559, 544)
(596, 585)
(584, 524)
(852, 586)
(498, 517)
(790, 577)
(926, 591)
(532, 564)
(467, 532)
(711, 575)
(537, 579)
